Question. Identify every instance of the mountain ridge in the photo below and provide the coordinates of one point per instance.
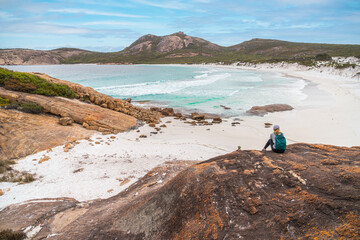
(179, 48)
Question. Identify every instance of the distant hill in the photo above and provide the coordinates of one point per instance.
(170, 43)
(20, 56)
(181, 48)
(277, 48)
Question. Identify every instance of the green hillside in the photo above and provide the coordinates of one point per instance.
(255, 50)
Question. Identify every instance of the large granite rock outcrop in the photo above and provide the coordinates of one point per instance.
(92, 96)
(169, 43)
(90, 116)
(309, 192)
(22, 134)
(263, 110)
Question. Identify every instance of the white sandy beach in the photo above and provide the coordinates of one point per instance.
(329, 115)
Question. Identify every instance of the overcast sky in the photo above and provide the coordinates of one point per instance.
(109, 25)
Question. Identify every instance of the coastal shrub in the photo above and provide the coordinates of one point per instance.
(345, 65)
(4, 101)
(9, 234)
(12, 106)
(11, 175)
(26, 82)
(5, 165)
(31, 107)
(323, 57)
(28, 107)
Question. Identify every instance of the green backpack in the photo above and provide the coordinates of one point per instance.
(280, 142)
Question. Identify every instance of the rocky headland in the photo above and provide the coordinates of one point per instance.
(24, 133)
(309, 192)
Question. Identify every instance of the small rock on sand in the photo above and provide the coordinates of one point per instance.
(263, 110)
(217, 120)
(225, 107)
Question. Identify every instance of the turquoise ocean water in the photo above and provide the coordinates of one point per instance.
(190, 88)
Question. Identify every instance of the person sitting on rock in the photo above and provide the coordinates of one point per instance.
(277, 141)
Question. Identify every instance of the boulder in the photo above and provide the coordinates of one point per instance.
(65, 121)
(168, 112)
(225, 107)
(22, 134)
(263, 110)
(94, 116)
(246, 194)
(196, 116)
(217, 120)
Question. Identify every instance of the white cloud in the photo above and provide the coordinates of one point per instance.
(44, 28)
(7, 16)
(305, 2)
(177, 5)
(202, 1)
(146, 25)
(91, 12)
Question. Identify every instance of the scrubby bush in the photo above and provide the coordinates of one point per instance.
(323, 57)
(9, 234)
(31, 107)
(28, 107)
(4, 101)
(26, 82)
(12, 106)
(5, 165)
(345, 65)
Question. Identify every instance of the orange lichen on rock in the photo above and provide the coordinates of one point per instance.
(198, 168)
(298, 166)
(351, 169)
(268, 162)
(207, 221)
(350, 228)
(327, 161)
(45, 158)
(248, 172)
(124, 182)
(325, 147)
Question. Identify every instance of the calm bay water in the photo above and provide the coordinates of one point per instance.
(200, 88)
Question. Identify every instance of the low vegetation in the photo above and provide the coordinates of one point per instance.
(8, 174)
(4, 101)
(5, 165)
(28, 107)
(29, 83)
(16, 176)
(256, 50)
(9, 234)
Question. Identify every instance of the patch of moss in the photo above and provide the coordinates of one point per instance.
(26, 82)
(4, 101)
(9, 234)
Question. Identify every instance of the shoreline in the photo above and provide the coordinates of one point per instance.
(330, 116)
